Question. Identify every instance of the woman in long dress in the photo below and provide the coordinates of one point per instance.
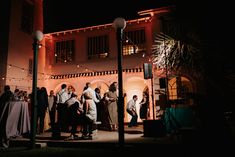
(111, 98)
(144, 105)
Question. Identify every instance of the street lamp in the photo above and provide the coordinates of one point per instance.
(37, 37)
(119, 24)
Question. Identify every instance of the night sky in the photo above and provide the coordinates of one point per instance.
(61, 15)
(212, 18)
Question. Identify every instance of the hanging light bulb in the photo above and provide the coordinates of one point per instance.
(143, 55)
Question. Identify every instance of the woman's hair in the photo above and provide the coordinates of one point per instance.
(112, 87)
(134, 96)
(97, 90)
(63, 86)
(6, 88)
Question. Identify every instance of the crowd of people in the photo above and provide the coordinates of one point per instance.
(84, 111)
(68, 112)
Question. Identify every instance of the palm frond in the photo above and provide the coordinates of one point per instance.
(175, 54)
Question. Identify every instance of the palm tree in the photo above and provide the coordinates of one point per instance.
(177, 55)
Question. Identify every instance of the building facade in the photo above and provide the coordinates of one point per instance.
(89, 54)
(16, 43)
(82, 55)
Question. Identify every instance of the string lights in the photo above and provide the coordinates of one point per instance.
(88, 73)
(28, 78)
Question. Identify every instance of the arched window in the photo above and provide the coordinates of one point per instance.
(179, 89)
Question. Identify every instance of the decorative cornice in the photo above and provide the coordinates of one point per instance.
(153, 12)
(91, 28)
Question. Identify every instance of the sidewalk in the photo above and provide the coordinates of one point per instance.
(133, 136)
(105, 143)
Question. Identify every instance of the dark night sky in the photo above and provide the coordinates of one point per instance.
(212, 17)
(60, 15)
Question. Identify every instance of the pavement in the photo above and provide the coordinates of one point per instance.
(132, 135)
(103, 143)
(106, 143)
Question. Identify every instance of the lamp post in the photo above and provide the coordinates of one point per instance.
(119, 24)
(37, 37)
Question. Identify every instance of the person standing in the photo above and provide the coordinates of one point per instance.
(111, 98)
(52, 107)
(89, 100)
(98, 105)
(104, 114)
(90, 115)
(62, 97)
(41, 108)
(4, 99)
(144, 105)
(75, 113)
(92, 92)
(131, 109)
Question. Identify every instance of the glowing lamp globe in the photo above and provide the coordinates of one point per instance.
(119, 23)
(38, 35)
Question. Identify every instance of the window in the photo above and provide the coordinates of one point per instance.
(27, 17)
(134, 42)
(98, 46)
(64, 51)
(179, 89)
